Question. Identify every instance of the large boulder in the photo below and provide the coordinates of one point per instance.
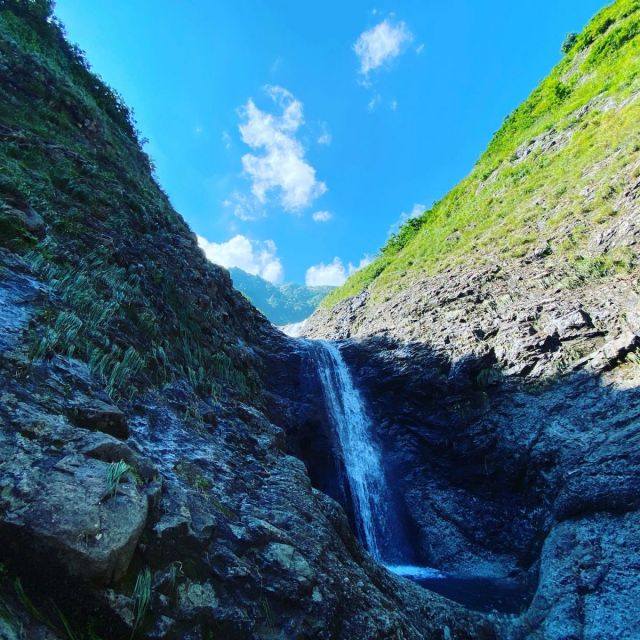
(65, 510)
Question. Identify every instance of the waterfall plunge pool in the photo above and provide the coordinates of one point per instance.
(485, 594)
(378, 525)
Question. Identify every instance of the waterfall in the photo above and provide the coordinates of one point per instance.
(375, 517)
(378, 523)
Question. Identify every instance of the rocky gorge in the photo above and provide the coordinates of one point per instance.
(147, 489)
(170, 469)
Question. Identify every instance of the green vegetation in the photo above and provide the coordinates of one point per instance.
(267, 612)
(141, 599)
(63, 628)
(553, 173)
(634, 358)
(8, 619)
(175, 572)
(203, 484)
(115, 472)
(125, 273)
(29, 606)
(569, 42)
(13, 230)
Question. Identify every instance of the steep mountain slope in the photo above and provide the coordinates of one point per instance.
(555, 184)
(282, 304)
(145, 489)
(497, 341)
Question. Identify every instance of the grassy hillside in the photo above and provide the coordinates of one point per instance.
(552, 175)
(282, 304)
(132, 294)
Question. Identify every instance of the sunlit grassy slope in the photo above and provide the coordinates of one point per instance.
(131, 293)
(551, 173)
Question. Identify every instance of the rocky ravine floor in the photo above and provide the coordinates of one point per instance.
(508, 403)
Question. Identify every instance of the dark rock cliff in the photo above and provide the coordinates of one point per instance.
(145, 485)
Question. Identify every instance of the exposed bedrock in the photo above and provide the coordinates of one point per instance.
(512, 435)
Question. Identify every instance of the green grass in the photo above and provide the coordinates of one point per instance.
(63, 628)
(116, 471)
(29, 606)
(126, 276)
(141, 599)
(507, 206)
(7, 615)
(267, 612)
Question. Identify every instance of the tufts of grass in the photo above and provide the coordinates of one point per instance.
(175, 572)
(267, 611)
(202, 484)
(8, 616)
(634, 358)
(116, 471)
(68, 629)
(29, 606)
(588, 268)
(73, 153)
(141, 599)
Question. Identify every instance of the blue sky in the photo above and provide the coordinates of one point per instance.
(292, 136)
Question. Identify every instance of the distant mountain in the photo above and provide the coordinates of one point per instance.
(282, 304)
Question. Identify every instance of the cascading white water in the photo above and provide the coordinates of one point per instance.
(362, 458)
(377, 522)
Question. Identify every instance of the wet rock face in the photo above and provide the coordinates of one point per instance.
(508, 413)
(295, 401)
(101, 416)
(469, 511)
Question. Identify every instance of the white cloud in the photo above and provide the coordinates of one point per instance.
(420, 49)
(282, 167)
(333, 274)
(381, 44)
(244, 207)
(417, 210)
(226, 140)
(256, 257)
(374, 102)
(322, 216)
(364, 262)
(393, 105)
(325, 138)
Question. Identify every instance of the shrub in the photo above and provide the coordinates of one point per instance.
(407, 232)
(569, 42)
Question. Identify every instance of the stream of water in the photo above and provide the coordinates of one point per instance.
(361, 457)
